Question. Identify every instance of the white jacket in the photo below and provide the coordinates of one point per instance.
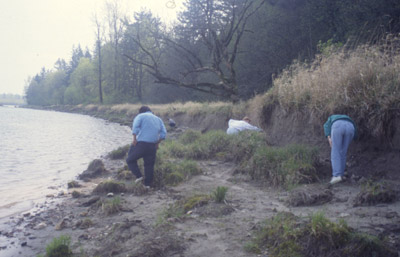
(234, 126)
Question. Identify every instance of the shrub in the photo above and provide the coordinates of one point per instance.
(59, 247)
(219, 194)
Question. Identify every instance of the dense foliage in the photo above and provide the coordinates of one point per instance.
(218, 49)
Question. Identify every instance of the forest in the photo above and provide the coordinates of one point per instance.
(227, 50)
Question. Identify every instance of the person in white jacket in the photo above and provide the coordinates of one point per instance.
(235, 126)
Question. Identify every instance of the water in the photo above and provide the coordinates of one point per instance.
(40, 151)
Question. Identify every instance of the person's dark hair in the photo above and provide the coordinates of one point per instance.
(144, 109)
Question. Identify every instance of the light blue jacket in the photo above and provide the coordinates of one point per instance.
(148, 128)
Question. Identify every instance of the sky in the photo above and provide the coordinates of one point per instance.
(35, 33)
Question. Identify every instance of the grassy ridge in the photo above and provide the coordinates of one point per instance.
(363, 83)
(277, 166)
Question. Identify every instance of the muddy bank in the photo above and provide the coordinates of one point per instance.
(198, 120)
(368, 156)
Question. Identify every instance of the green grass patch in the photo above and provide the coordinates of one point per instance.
(288, 235)
(284, 166)
(219, 194)
(173, 172)
(111, 206)
(119, 153)
(59, 247)
(278, 166)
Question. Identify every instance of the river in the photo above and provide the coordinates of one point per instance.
(40, 151)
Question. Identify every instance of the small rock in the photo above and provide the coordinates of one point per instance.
(110, 195)
(91, 201)
(61, 225)
(39, 226)
(342, 215)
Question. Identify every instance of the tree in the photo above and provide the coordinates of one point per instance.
(82, 88)
(99, 40)
(215, 29)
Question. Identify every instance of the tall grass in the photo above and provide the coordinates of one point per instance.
(363, 83)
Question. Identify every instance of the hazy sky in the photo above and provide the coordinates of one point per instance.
(35, 33)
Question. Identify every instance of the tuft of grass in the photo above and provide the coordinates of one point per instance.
(59, 247)
(209, 145)
(110, 186)
(284, 166)
(119, 153)
(76, 194)
(179, 209)
(219, 194)
(111, 206)
(169, 172)
(73, 184)
(373, 193)
(288, 235)
(189, 136)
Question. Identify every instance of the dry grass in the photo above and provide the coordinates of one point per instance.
(363, 83)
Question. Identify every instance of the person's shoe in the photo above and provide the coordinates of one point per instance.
(138, 180)
(335, 180)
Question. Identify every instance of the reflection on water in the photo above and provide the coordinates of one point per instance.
(42, 150)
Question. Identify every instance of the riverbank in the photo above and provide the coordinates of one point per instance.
(146, 224)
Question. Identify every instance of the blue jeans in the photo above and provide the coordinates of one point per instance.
(147, 151)
(341, 135)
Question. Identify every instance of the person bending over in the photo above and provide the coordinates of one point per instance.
(340, 130)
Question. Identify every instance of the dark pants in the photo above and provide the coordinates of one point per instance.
(147, 151)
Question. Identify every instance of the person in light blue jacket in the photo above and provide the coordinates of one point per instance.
(340, 130)
(148, 131)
